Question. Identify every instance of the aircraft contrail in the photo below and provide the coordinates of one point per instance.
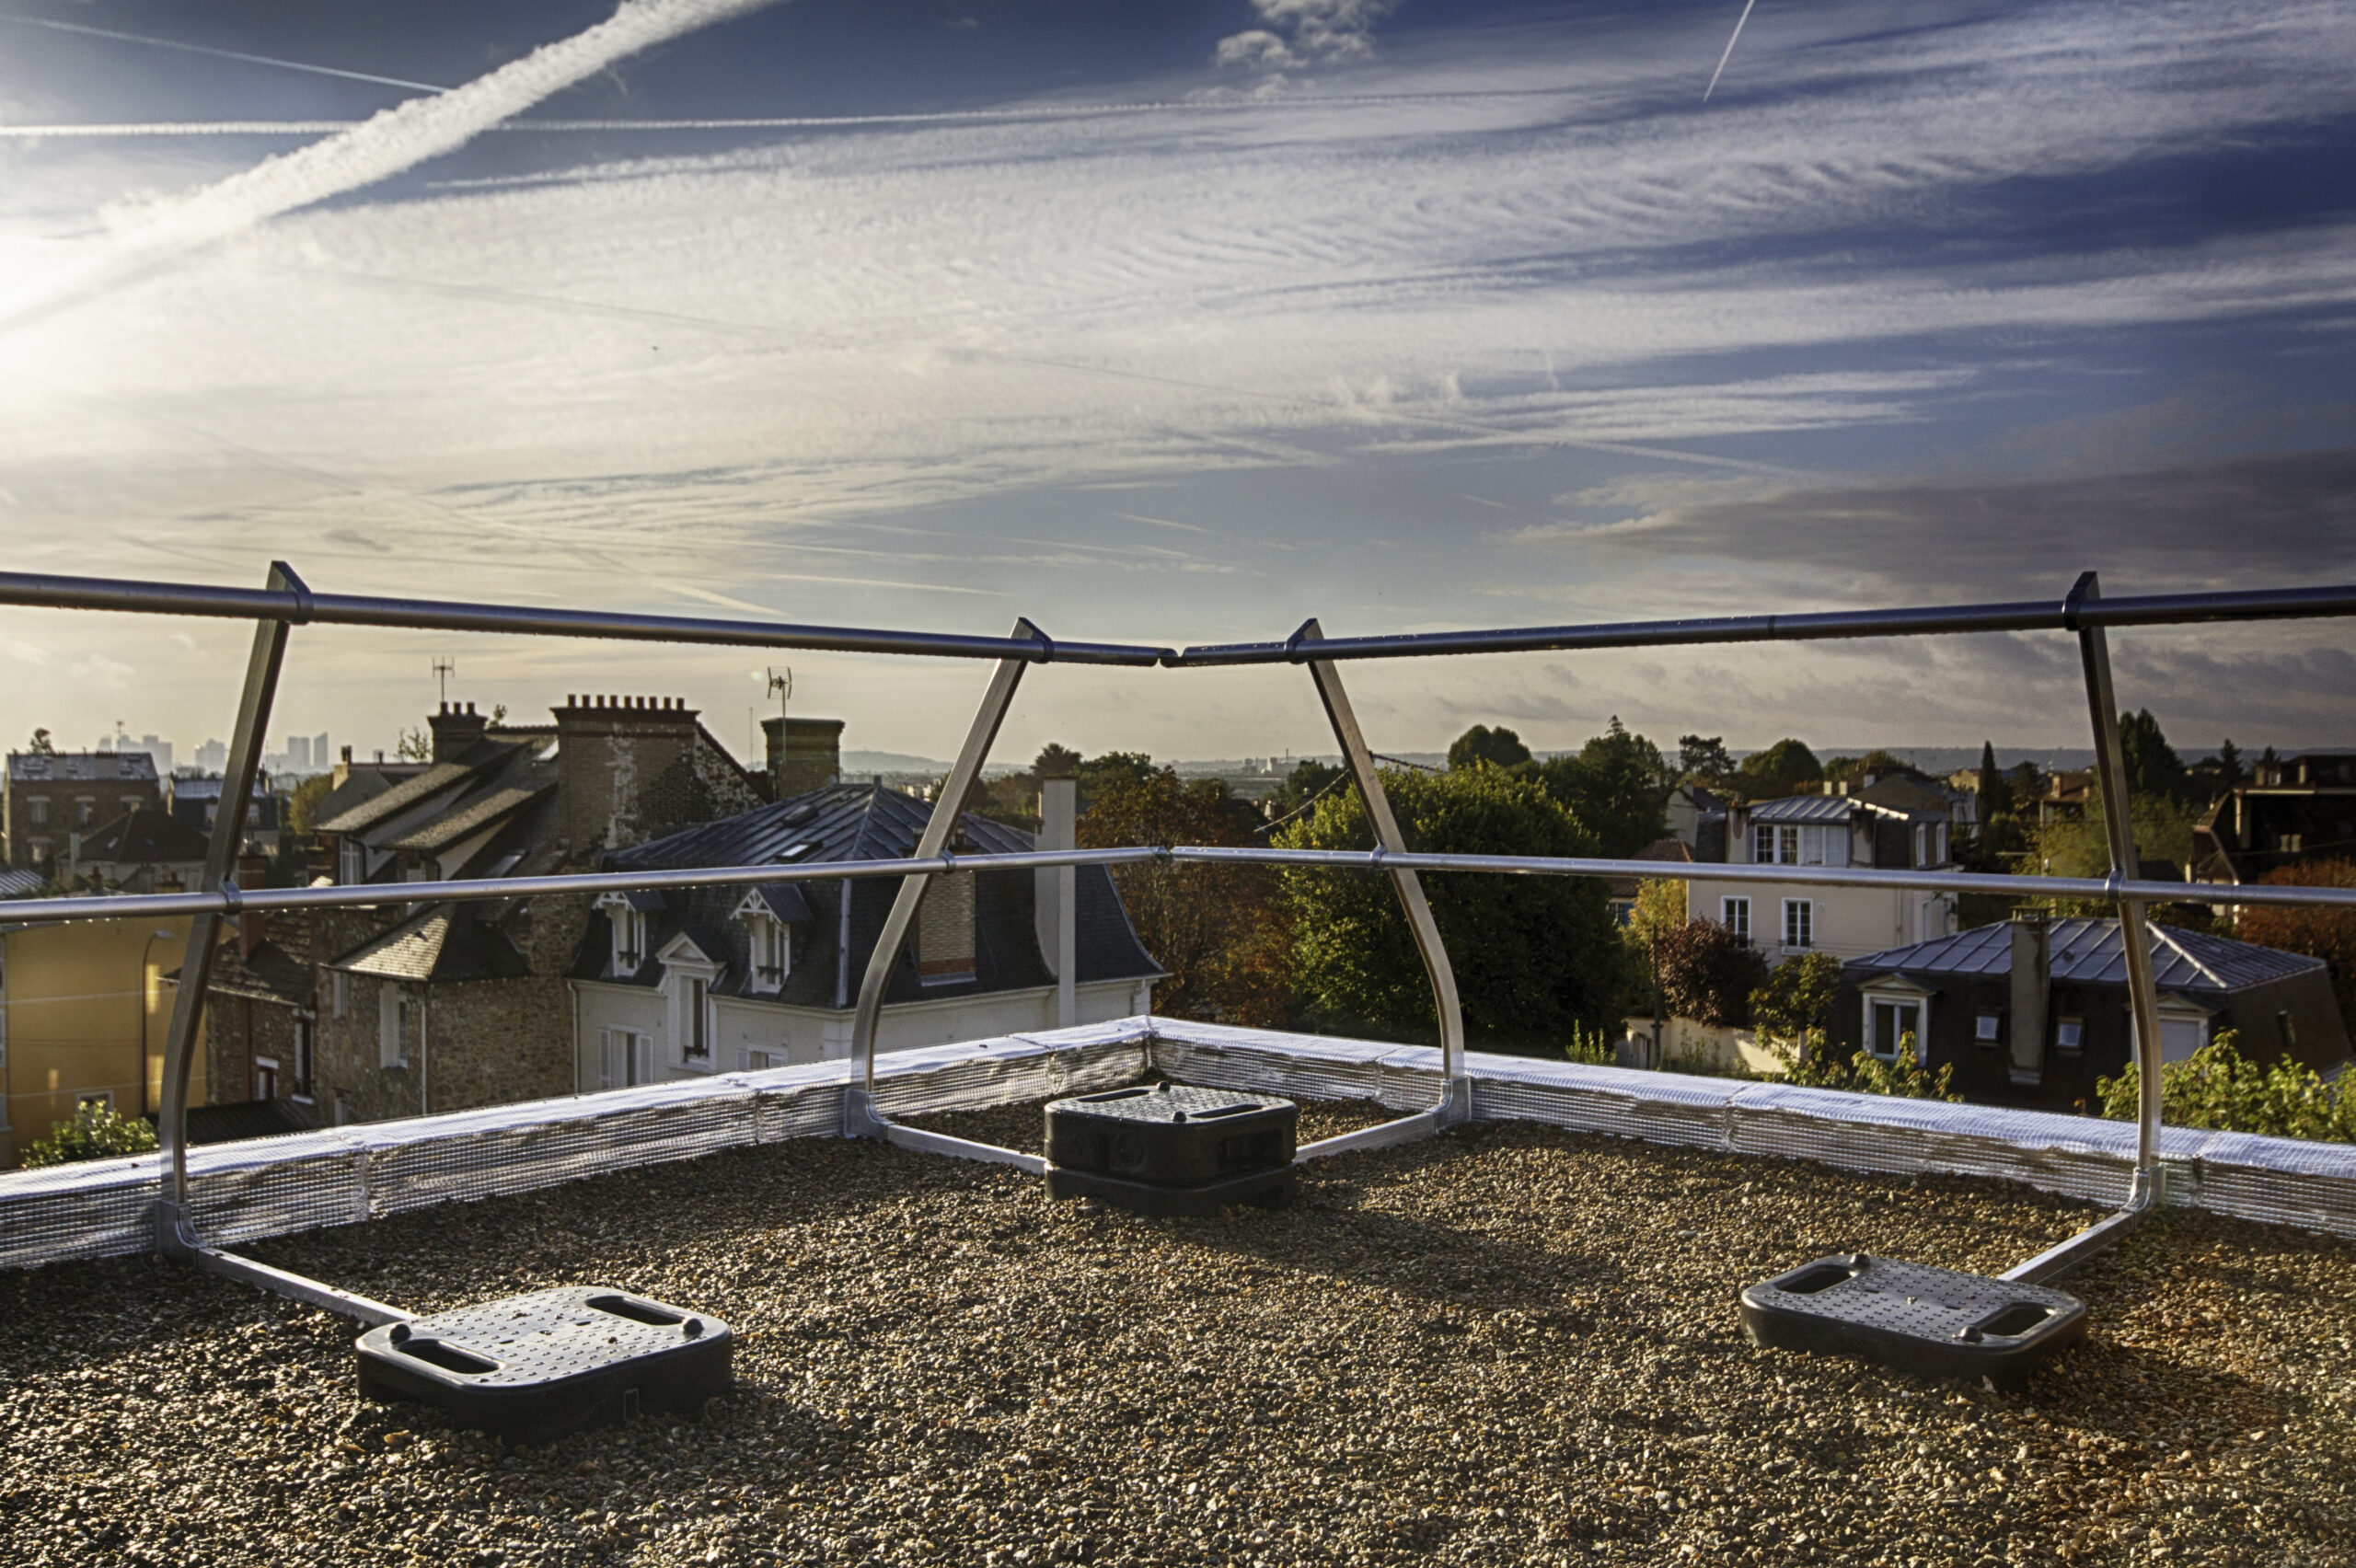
(1721, 71)
(223, 54)
(376, 149)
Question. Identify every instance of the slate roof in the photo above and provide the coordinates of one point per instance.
(444, 943)
(1805, 808)
(856, 821)
(408, 792)
(144, 839)
(44, 768)
(507, 780)
(18, 884)
(1671, 849)
(2089, 952)
(210, 789)
(278, 970)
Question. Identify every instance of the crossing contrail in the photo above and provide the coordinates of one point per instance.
(377, 148)
(1721, 71)
(222, 53)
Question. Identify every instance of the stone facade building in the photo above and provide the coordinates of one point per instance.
(420, 1008)
(51, 797)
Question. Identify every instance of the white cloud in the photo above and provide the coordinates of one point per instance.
(396, 139)
(1303, 32)
(106, 674)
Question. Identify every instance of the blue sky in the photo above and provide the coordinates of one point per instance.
(1182, 323)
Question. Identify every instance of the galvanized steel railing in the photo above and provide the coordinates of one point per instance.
(285, 602)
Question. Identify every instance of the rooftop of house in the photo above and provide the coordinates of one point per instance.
(1515, 1344)
(143, 838)
(853, 822)
(39, 767)
(209, 789)
(2089, 952)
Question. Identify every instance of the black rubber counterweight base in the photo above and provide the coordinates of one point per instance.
(1934, 1322)
(533, 1367)
(1270, 1189)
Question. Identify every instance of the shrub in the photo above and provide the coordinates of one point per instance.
(1864, 1073)
(1592, 1046)
(2326, 934)
(1797, 996)
(2219, 1089)
(1707, 974)
(95, 1133)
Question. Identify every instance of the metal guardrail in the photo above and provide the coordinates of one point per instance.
(285, 602)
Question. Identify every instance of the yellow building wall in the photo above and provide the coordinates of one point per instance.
(84, 1009)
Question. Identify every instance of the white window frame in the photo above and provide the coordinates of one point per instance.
(630, 1050)
(1887, 1050)
(627, 954)
(690, 1011)
(2069, 1033)
(763, 1058)
(351, 862)
(769, 946)
(266, 1065)
(1805, 908)
(307, 1059)
(1988, 1027)
(1762, 843)
(395, 1009)
(1734, 914)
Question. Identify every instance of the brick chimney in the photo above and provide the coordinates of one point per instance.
(803, 754)
(627, 768)
(253, 870)
(455, 727)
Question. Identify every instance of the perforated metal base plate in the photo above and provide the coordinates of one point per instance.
(1935, 1323)
(533, 1367)
(1270, 1189)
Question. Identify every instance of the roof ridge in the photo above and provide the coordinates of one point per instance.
(2161, 933)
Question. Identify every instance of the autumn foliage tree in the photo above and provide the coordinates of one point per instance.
(1221, 932)
(1707, 974)
(2326, 934)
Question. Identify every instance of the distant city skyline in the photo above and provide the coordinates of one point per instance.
(1183, 322)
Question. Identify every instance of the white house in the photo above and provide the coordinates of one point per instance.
(1783, 920)
(723, 979)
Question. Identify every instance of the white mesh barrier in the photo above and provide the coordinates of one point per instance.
(274, 1186)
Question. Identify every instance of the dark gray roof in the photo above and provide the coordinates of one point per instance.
(210, 789)
(444, 943)
(144, 839)
(1805, 808)
(39, 767)
(857, 822)
(2088, 952)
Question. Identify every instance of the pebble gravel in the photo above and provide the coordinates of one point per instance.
(1510, 1344)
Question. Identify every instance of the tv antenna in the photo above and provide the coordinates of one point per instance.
(442, 670)
(781, 687)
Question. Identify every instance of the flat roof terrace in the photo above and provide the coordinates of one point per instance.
(1514, 1342)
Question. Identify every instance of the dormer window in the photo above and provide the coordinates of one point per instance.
(626, 923)
(769, 945)
(689, 972)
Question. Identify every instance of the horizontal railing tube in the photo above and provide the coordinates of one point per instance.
(35, 589)
(233, 901)
(2036, 615)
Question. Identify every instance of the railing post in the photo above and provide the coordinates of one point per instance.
(173, 1232)
(1454, 1100)
(2143, 994)
(860, 1117)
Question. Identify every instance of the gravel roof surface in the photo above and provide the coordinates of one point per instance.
(1513, 1344)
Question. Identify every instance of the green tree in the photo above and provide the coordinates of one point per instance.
(2218, 1088)
(1778, 771)
(1704, 760)
(1535, 957)
(1707, 974)
(1797, 996)
(1616, 785)
(1865, 1073)
(2230, 772)
(2153, 766)
(1221, 932)
(1101, 773)
(302, 805)
(1055, 762)
(96, 1132)
(414, 746)
(1480, 744)
(40, 745)
(1307, 780)
(2161, 825)
(1993, 796)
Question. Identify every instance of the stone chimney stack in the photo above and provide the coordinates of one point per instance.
(803, 754)
(455, 727)
(253, 870)
(2032, 984)
(627, 768)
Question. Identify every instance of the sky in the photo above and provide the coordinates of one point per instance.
(1180, 324)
